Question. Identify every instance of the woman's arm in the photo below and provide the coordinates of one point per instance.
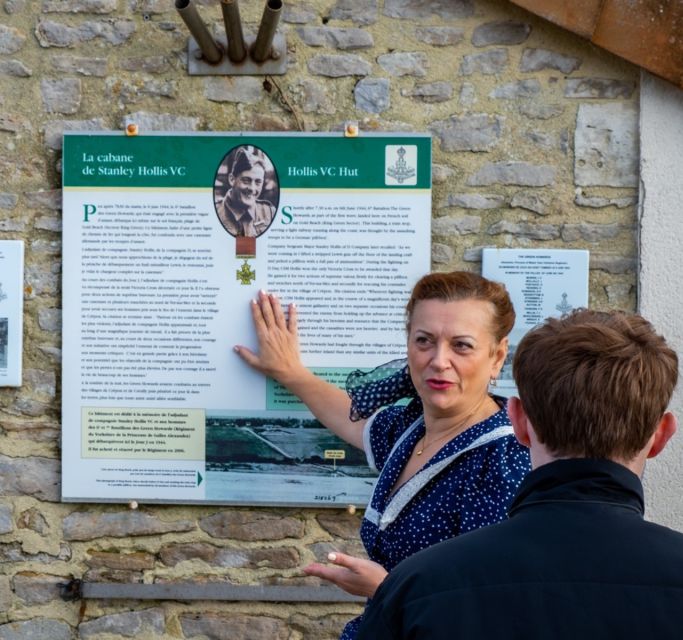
(278, 358)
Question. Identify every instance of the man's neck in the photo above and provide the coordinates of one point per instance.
(540, 456)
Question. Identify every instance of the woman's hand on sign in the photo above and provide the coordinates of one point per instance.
(357, 576)
(278, 343)
(278, 358)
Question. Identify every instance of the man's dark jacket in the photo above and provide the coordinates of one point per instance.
(574, 561)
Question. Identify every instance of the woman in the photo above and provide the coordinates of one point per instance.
(241, 212)
(448, 460)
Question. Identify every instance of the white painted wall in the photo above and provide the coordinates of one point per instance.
(660, 291)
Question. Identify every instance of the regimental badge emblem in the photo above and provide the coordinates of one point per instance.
(564, 306)
(401, 165)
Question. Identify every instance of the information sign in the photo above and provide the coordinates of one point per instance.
(11, 311)
(167, 238)
(541, 283)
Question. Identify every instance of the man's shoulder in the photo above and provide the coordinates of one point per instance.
(582, 565)
(265, 205)
(517, 548)
(429, 577)
(225, 210)
(662, 539)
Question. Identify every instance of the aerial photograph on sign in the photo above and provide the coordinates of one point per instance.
(286, 458)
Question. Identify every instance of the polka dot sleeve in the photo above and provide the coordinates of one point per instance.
(386, 427)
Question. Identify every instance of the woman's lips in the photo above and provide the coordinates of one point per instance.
(439, 385)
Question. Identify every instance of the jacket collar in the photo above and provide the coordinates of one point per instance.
(580, 480)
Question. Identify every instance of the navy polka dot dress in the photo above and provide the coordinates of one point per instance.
(468, 484)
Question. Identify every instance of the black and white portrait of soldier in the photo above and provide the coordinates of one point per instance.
(246, 192)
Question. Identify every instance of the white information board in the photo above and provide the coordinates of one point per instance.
(541, 283)
(11, 311)
(160, 266)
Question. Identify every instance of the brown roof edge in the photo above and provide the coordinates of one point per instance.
(648, 33)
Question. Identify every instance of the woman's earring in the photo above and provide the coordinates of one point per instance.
(493, 382)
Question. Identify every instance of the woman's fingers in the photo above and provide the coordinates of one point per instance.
(247, 355)
(263, 316)
(265, 304)
(278, 314)
(354, 575)
(339, 576)
(334, 575)
(257, 317)
(278, 350)
(343, 560)
(268, 312)
(292, 320)
(316, 569)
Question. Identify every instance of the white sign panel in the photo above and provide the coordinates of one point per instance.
(167, 239)
(541, 283)
(11, 311)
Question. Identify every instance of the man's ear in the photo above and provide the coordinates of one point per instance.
(665, 429)
(520, 421)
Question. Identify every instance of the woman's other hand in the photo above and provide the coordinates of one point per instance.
(356, 576)
(278, 343)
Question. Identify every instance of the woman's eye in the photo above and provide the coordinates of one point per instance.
(421, 340)
(463, 346)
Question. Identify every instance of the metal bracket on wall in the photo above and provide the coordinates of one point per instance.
(182, 591)
(262, 54)
(276, 65)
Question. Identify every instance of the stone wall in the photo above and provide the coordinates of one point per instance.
(535, 145)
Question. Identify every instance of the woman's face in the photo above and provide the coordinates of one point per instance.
(247, 186)
(453, 354)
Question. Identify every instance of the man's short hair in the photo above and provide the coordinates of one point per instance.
(595, 384)
(244, 160)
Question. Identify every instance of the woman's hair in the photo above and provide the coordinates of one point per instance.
(245, 160)
(595, 384)
(463, 285)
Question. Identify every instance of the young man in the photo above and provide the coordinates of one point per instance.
(241, 212)
(575, 559)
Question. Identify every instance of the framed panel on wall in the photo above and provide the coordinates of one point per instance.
(167, 239)
(542, 283)
(11, 311)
